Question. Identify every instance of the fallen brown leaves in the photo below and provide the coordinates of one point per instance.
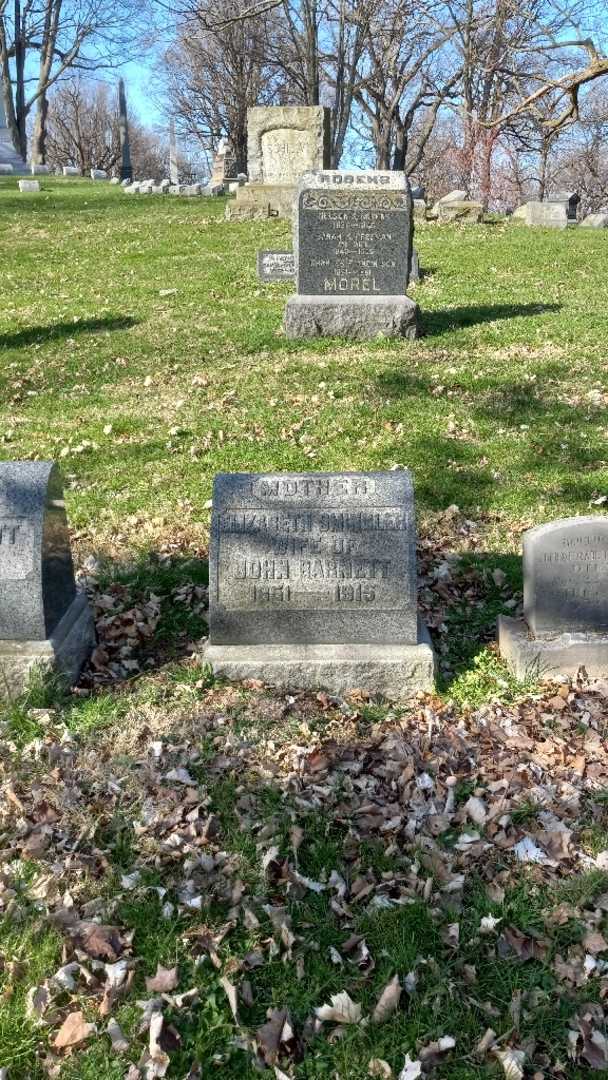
(496, 793)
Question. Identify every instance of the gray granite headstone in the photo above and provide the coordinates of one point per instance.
(313, 581)
(352, 244)
(43, 619)
(566, 576)
(565, 624)
(353, 234)
(276, 266)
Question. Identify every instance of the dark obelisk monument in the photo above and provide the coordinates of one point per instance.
(126, 169)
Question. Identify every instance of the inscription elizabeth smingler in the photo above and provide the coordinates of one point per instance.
(314, 559)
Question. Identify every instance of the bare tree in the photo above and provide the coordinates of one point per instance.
(42, 40)
(515, 53)
(407, 75)
(84, 131)
(214, 76)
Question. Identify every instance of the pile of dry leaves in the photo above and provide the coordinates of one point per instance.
(493, 794)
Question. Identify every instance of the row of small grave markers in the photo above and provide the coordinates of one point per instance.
(312, 584)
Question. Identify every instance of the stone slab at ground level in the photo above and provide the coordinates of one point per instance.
(396, 672)
(361, 318)
(564, 655)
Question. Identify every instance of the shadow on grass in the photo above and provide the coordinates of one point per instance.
(445, 321)
(38, 335)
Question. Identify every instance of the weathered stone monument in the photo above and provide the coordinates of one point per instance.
(28, 185)
(569, 199)
(10, 160)
(465, 212)
(126, 168)
(353, 245)
(276, 266)
(551, 215)
(224, 167)
(312, 582)
(598, 220)
(283, 142)
(44, 621)
(565, 625)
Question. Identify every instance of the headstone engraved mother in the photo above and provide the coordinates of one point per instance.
(312, 582)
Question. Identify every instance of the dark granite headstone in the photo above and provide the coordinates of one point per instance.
(566, 576)
(354, 234)
(42, 617)
(312, 580)
(276, 266)
(352, 244)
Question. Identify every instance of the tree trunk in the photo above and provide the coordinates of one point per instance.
(400, 150)
(485, 179)
(544, 161)
(39, 133)
(20, 116)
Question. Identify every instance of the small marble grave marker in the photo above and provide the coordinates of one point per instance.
(44, 621)
(352, 242)
(276, 266)
(29, 185)
(313, 582)
(565, 625)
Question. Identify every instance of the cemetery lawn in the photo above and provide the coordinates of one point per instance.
(272, 851)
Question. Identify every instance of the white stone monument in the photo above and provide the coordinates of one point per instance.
(8, 154)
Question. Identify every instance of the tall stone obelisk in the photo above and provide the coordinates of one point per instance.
(126, 169)
(8, 154)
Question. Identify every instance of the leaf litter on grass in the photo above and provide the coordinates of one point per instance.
(447, 797)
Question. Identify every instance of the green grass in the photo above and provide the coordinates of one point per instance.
(143, 397)
(499, 408)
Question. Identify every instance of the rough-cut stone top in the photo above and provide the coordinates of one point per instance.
(313, 558)
(36, 573)
(353, 233)
(285, 141)
(566, 576)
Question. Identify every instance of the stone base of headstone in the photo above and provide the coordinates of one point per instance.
(397, 672)
(461, 211)
(254, 201)
(361, 318)
(539, 658)
(64, 652)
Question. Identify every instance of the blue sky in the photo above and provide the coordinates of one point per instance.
(143, 90)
